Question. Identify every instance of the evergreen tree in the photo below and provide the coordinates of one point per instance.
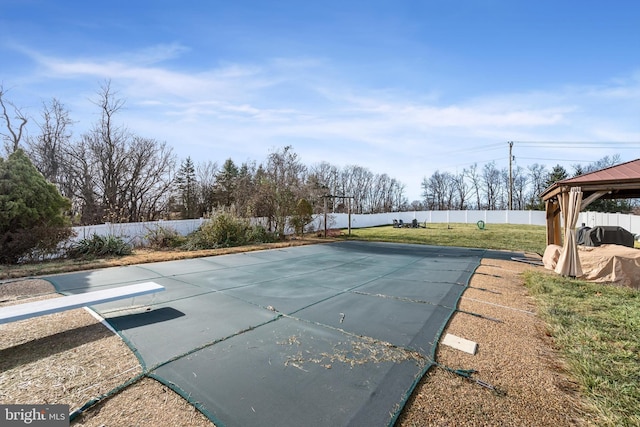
(32, 220)
(186, 184)
(558, 173)
(226, 182)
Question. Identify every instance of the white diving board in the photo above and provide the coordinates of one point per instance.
(17, 312)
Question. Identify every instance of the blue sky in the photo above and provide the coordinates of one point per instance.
(400, 87)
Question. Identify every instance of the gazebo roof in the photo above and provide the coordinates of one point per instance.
(616, 182)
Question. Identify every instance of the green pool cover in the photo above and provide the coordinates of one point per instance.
(324, 335)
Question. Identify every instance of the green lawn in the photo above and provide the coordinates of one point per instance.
(524, 238)
(595, 327)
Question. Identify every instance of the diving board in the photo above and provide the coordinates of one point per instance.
(40, 308)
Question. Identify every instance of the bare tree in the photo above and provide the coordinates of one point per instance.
(117, 176)
(108, 145)
(520, 181)
(82, 179)
(358, 181)
(474, 177)
(147, 178)
(502, 193)
(46, 149)
(316, 190)
(460, 187)
(369, 193)
(377, 194)
(400, 201)
(491, 179)
(417, 205)
(386, 194)
(537, 179)
(605, 162)
(206, 179)
(14, 136)
(439, 190)
(323, 181)
(285, 173)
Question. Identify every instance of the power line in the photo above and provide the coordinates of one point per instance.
(579, 142)
(541, 144)
(609, 147)
(489, 147)
(555, 160)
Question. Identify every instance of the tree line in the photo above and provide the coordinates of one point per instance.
(490, 187)
(111, 174)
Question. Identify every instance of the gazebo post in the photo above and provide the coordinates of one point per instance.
(553, 223)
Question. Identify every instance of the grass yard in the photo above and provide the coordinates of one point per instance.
(597, 329)
(525, 238)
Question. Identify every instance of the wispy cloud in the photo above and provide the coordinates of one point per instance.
(266, 90)
(157, 53)
(243, 109)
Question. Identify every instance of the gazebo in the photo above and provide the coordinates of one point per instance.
(570, 196)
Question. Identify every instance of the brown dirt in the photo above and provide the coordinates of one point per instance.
(71, 358)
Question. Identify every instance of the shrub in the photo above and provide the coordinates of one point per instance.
(302, 217)
(32, 244)
(32, 220)
(164, 238)
(99, 246)
(224, 230)
(259, 234)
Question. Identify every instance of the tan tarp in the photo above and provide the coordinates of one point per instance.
(604, 264)
(611, 263)
(569, 263)
(550, 257)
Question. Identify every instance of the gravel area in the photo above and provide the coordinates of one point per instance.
(71, 357)
(515, 357)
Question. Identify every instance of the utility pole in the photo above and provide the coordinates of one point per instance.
(510, 175)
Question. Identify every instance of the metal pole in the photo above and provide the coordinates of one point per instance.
(510, 176)
(325, 217)
(349, 212)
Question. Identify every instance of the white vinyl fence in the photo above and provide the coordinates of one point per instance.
(136, 232)
(630, 223)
